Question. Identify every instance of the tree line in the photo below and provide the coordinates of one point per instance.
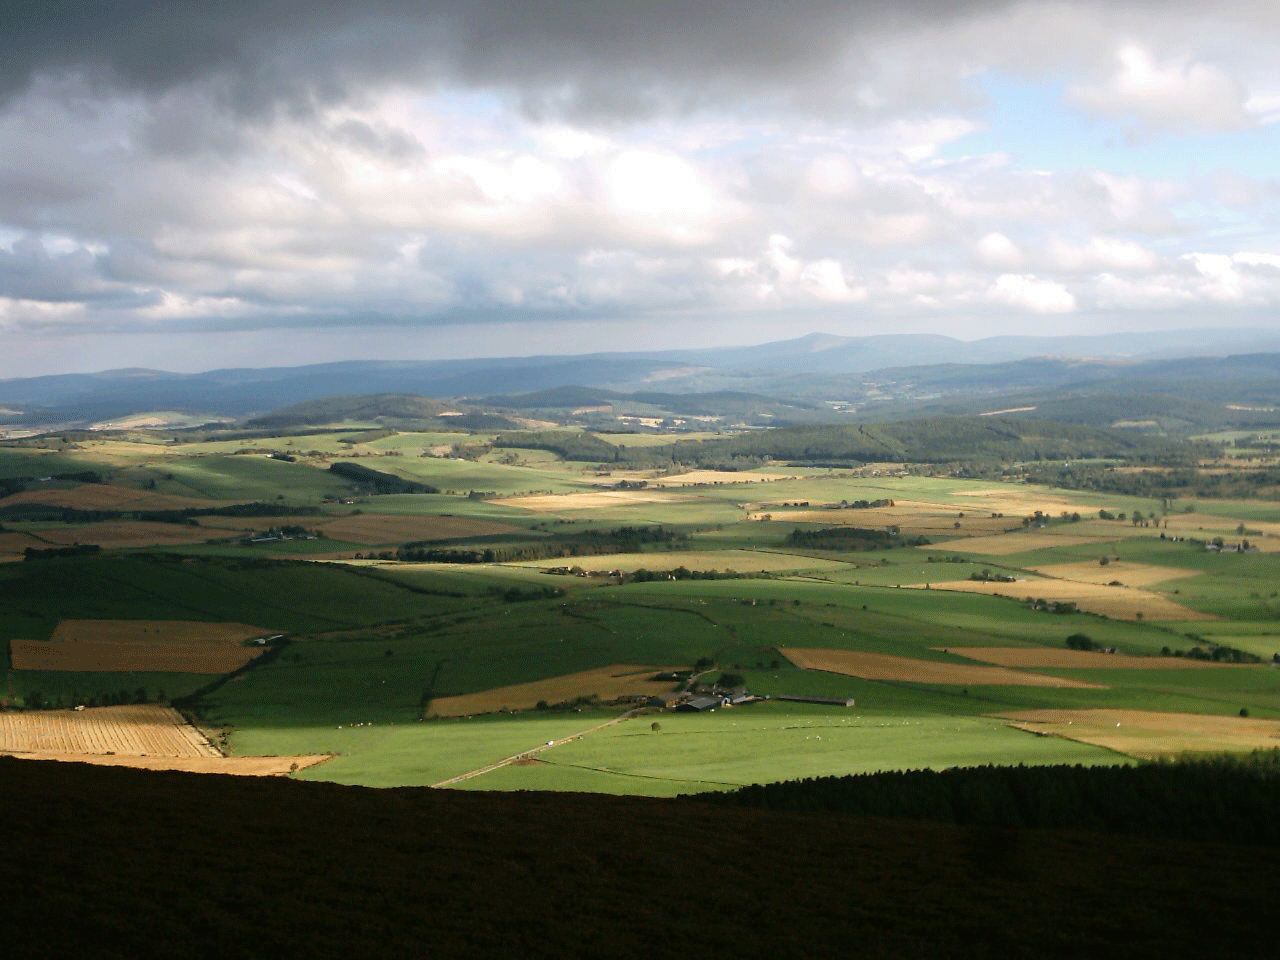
(1222, 798)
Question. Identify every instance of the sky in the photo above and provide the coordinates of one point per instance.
(189, 185)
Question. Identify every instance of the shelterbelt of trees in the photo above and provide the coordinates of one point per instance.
(936, 440)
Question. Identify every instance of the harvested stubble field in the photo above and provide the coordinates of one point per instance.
(168, 646)
(721, 477)
(1129, 574)
(143, 730)
(1143, 733)
(236, 766)
(738, 561)
(883, 666)
(1058, 657)
(1020, 501)
(369, 528)
(608, 683)
(103, 496)
(1119, 603)
(1022, 542)
(553, 502)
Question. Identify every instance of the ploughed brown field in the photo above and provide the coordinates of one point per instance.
(1147, 734)
(104, 496)
(609, 683)
(13, 544)
(883, 666)
(174, 646)
(1093, 659)
(121, 534)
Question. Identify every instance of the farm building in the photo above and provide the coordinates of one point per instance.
(700, 704)
(668, 700)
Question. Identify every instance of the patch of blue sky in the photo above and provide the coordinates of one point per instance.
(1040, 129)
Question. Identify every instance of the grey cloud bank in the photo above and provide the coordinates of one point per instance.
(173, 175)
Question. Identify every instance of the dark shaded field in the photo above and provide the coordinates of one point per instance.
(107, 862)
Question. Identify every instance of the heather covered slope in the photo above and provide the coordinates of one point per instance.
(108, 862)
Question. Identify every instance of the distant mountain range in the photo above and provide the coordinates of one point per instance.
(807, 378)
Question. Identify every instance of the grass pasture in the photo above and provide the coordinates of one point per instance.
(763, 742)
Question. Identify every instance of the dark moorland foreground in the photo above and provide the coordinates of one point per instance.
(113, 862)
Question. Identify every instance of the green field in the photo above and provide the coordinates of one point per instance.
(764, 742)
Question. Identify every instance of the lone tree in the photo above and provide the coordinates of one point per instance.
(1079, 641)
(655, 726)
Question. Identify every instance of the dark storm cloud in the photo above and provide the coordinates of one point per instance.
(605, 57)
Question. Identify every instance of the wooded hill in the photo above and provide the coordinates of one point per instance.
(938, 440)
(176, 864)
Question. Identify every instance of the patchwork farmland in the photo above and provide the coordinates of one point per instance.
(420, 672)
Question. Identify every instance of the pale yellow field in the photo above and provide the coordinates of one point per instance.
(1120, 603)
(234, 766)
(721, 477)
(390, 528)
(171, 646)
(1020, 542)
(1065, 657)
(148, 736)
(608, 683)
(883, 666)
(1022, 501)
(739, 561)
(553, 502)
(1142, 733)
(139, 731)
(1129, 574)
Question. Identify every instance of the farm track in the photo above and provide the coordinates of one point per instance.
(532, 754)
